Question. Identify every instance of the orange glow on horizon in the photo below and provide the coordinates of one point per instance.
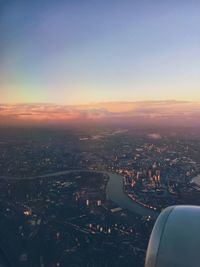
(45, 113)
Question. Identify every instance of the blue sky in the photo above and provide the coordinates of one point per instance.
(76, 52)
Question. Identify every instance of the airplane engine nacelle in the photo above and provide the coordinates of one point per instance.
(175, 239)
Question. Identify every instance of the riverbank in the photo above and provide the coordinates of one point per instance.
(196, 180)
(114, 191)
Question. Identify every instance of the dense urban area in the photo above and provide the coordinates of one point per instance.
(61, 192)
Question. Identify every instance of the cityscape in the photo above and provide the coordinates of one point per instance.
(99, 133)
(71, 196)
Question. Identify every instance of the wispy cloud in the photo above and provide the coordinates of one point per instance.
(151, 111)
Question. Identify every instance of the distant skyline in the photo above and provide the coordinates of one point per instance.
(89, 51)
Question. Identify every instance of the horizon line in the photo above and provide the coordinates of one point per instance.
(102, 102)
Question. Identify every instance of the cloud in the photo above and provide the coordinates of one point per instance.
(123, 112)
(155, 136)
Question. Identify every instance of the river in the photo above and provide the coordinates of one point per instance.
(114, 192)
(196, 180)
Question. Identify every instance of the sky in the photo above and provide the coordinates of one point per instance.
(87, 57)
(88, 51)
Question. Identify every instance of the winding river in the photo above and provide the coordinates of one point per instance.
(114, 192)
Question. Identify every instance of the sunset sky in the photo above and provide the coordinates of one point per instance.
(89, 51)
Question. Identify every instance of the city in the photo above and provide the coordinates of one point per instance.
(68, 197)
(99, 133)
